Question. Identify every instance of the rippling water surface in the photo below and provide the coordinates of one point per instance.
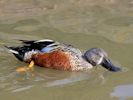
(83, 23)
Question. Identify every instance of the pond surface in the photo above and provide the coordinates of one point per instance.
(107, 24)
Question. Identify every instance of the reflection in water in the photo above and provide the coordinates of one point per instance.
(123, 92)
(18, 82)
(22, 88)
(71, 79)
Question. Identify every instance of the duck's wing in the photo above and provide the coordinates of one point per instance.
(38, 44)
(44, 41)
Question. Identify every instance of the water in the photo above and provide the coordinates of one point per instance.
(83, 23)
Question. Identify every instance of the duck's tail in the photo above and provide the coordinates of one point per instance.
(12, 49)
(15, 52)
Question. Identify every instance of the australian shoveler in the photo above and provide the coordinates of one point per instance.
(51, 54)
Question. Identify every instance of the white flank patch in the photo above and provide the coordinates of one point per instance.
(45, 40)
(29, 54)
(13, 51)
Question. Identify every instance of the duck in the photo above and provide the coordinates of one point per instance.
(61, 56)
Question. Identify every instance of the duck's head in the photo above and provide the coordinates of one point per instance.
(97, 56)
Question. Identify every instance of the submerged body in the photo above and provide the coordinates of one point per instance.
(51, 54)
